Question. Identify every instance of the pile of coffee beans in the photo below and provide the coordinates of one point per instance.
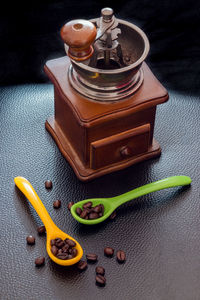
(90, 212)
(63, 249)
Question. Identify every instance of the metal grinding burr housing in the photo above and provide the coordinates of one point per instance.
(112, 71)
(105, 96)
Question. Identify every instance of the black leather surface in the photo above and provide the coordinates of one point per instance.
(160, 232)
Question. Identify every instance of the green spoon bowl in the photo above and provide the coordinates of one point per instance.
(110, 204)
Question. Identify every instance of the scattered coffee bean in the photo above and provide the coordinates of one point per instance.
(100, 270)
(39, 261)
(121, 256)
(48, 184)
(113, 215)
(82, 265)
(70, 204)
(108, 251)
(63, 249)
(30, 240)
(41, 229)
(78, 211)
(101, 280)
(57, 204)
(89, 212)
(92, 257)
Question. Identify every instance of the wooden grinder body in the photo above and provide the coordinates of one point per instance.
(101, 137)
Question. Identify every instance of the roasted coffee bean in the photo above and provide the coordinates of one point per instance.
(93, 215)
(78, 211)
(100, 214)
(100, 270)
(48, 184)
(84, 214)
(100, 279)
(82, 265)
(65, 248)
(39, 261)
(62, 256)
(52, 242)
(70, 243)
(41, 229)
(92, 257)
(57, 204)
(97, 209)
(108, 251)
(102, 208)
(87, 205)
(59, 243)
(70, 204)
(60, 251)
(121, 256)
(54, 250)
(113, 215)
(74, 252)
(30, 240)
(70, 256)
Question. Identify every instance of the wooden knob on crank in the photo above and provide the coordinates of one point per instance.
(79, 36)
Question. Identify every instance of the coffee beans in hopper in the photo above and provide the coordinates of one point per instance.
(90, 212)
(63, 249)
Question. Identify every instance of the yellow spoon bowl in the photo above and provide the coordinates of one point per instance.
(51, 229)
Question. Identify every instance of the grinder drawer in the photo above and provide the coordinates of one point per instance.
(119, 147)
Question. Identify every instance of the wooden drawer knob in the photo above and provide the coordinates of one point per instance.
(79, 36)
(125, 151)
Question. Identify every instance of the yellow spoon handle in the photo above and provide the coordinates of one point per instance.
(26, 188)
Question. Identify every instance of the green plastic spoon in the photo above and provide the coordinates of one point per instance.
(110, 204)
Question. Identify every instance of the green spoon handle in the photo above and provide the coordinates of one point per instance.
(151, 187)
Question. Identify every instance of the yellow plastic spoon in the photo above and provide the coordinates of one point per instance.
(51, 229)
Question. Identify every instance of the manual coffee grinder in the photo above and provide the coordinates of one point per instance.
(105, 96)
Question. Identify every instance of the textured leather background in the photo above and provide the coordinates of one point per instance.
(159, 232)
